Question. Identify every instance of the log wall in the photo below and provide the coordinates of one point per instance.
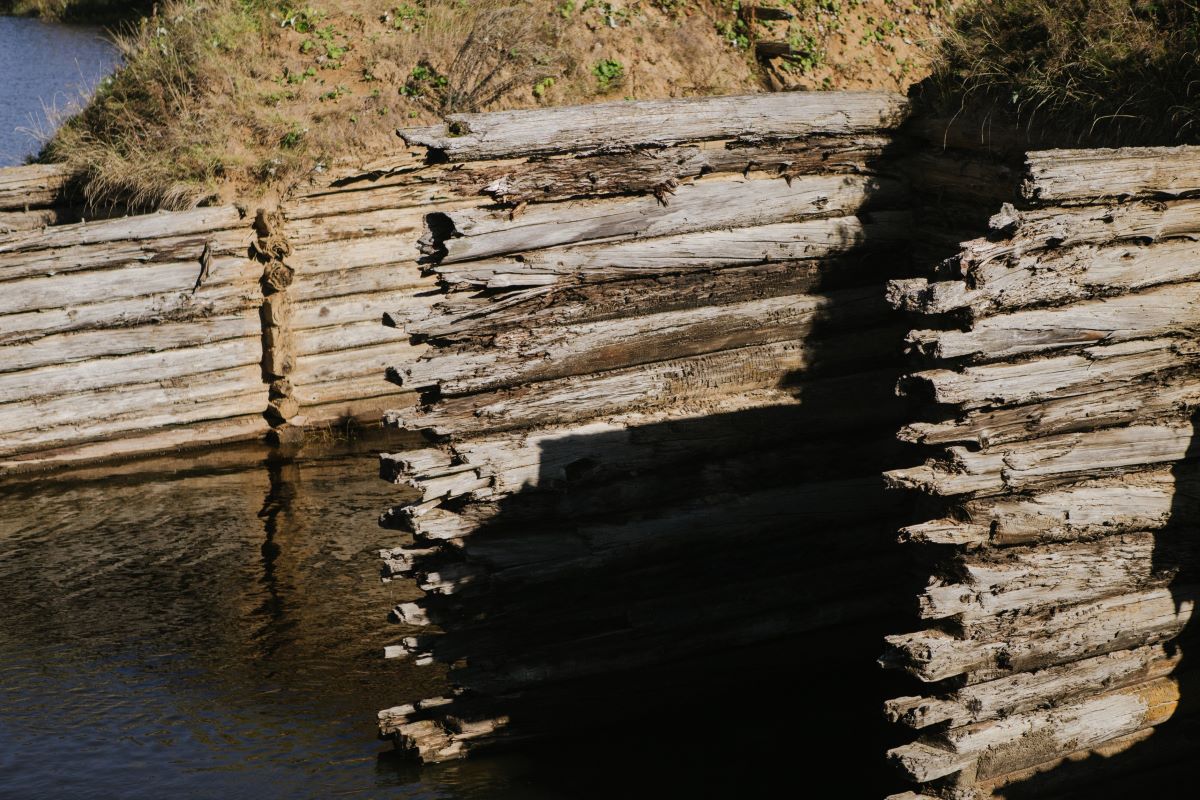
(1055, 360)
(657, 383)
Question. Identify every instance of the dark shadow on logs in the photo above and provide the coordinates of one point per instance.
(713, 613)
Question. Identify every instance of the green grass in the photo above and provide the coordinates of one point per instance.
(1075, 71)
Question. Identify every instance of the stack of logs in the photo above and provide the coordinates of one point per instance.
(32, 196)
(657, 383)
(1060, 376)
(129, 335)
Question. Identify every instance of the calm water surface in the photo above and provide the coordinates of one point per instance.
(44, 66)
(211, 631)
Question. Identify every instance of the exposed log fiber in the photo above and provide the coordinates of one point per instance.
(1039, 379)
(1079, 631)
(534, 354)
(658, 123)
(467, 317)
(1029, 691)
(718, 202)
(998, 747)
(1053, 277)
(686, 382)
(1020, 232)
(1055, 176)
(1024, 465)
(1138, 501)
(659, 171)
(988, 582)
(1157, 312)
(1174, 395)
(703, 251)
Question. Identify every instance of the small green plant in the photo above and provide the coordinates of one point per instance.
(565, 9)
(806, 52)
(335, 93)
(608, 72)
(293, 137)
(422, 81)
(541, 87)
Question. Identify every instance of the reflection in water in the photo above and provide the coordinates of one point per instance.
(211, 633)
(44, 66)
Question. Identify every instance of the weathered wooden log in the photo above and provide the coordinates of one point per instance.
(172, 366)
(17, 221)
(387, 279)
(353, 363)
(89, 345)
(353, 335)
(658, 123)
(323, 312)
(703, 251)
(31, 186)
(475, 318)
(1024, 465)
(1056, 176)
(991, 582)
(716, 202)
(987, 750)
(1157, 312)
(352, 229)
(1019, 232)
(164, 439)
(168, 413)
(1039, 379)
(1079, 631)
(828, 403)
(533, 354)
(1174, 395)
(1052, 277)
(173, 225)
(1029, 691)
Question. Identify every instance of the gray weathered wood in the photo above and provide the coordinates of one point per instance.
(657, 123)
(1086, 175)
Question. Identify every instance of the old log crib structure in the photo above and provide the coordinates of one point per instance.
(659, 352)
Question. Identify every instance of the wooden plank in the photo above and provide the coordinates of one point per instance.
(717, 202)
(658, 123)
(706, 250)
(1157, 312)
(1057, 176)
(1025, 465)
(385, 278)
(352, 335)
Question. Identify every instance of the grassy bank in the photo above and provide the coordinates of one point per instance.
(1075, 71)
(241, 97)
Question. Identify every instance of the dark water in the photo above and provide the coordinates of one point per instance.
(210, 631)
(44, 66)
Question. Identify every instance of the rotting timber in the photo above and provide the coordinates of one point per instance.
(1056, 360)
(658, 389)
(654, 349)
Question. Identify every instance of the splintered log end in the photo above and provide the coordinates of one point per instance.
(923, 762)
(946, 531)
(923, 478)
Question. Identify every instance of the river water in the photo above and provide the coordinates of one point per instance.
(210, 626)
(42, 67)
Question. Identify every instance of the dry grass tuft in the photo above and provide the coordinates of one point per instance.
(1076, 71)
